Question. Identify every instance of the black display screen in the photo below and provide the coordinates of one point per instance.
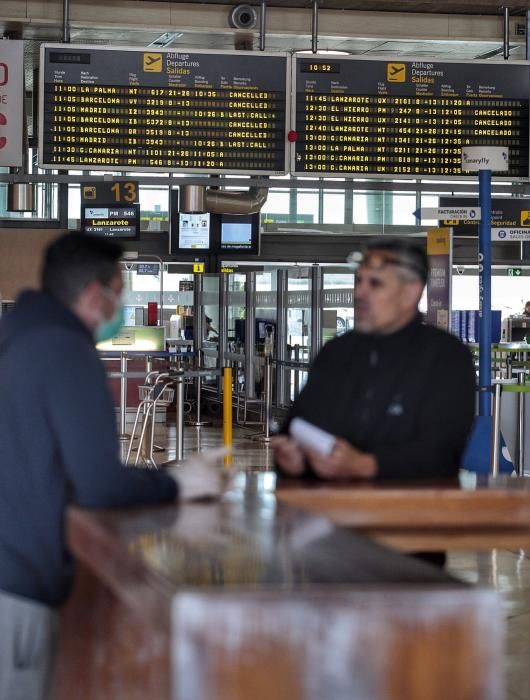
(409, 118)
(319, 67)
(131, 109)
(239, 233)
(115, 221)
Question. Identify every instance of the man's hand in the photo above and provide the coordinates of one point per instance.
(288, 455)
(200, 476)
(344, 462)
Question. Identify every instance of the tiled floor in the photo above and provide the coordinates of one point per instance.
(508, 572)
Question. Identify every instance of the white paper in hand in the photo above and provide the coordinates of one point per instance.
(308, 435)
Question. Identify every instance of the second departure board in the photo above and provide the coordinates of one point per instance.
(130, 109)
(411, 118)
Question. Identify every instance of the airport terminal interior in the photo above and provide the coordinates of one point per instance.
(243, 153)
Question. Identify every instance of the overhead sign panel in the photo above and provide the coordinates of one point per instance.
(472, 213)
(131, 109)
(510, 234)
(506, 213)
(11, 102)
(357, 116)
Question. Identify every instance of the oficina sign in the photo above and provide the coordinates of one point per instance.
(11, 102)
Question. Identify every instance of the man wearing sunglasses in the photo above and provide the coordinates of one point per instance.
(398, 395)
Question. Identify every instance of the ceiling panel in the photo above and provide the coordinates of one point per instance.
(480, 7)
(35, 33)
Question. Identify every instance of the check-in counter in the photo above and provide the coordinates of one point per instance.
(139, 338)
(138, 342)
(246, 598)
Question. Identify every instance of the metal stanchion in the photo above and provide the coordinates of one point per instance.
(123, 396)
(296, 377)
(198, 423)
(227, 413)
(521, 427)
(266, 435)
(179, 418)
(178, 379)
(496, 431)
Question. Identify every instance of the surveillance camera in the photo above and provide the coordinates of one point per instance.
(460, 269)
(243, 17)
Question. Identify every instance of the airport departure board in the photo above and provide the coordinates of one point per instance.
(130, 109)
(364, 117)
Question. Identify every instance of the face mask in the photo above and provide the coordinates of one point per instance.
(107, 329)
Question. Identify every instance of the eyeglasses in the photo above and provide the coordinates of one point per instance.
(376, 260)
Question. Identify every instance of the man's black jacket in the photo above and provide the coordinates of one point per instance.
(58, 445)
(407, 398)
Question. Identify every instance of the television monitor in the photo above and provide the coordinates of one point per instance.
(260, 329)
(190, 234)
(193, 232)
(239, 233)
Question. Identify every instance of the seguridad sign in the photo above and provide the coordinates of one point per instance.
(11, 102)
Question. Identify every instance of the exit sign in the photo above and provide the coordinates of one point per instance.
(515, 271)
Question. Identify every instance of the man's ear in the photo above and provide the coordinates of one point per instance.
(413, 292)
(90, 293)
(88, 301)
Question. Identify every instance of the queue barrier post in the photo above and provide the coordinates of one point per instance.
(496, 430)
(521, 425)
(227, 413)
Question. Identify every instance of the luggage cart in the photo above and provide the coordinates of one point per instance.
(158, 391)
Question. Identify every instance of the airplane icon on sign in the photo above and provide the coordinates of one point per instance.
(153, 62)
(395, 72)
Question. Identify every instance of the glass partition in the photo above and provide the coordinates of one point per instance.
(298, 323)
(337, 303)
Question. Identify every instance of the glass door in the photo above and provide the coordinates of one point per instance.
(337, 303)
(298, 325)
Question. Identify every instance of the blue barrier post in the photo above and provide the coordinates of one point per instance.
(484, 281)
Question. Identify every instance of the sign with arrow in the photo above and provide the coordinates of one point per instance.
(448, 213)
(506, 212)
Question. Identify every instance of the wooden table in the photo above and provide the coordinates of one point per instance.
(495, 513)
(249, 599)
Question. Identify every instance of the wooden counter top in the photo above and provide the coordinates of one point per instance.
(424, 515)
(248, 598)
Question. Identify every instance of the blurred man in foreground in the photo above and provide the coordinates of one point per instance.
(58, 446)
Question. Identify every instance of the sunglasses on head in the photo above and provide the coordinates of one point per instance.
(379, 259)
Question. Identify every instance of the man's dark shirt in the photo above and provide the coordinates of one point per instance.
(58, 445)
(408, 398)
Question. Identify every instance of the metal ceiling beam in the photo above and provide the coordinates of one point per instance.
(519, 189)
